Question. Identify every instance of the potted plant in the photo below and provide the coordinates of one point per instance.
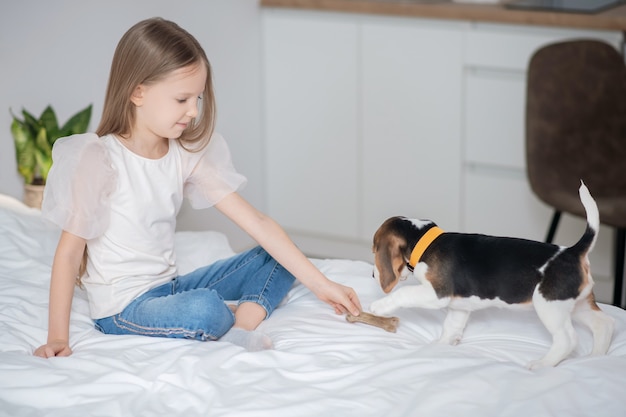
(33, 140)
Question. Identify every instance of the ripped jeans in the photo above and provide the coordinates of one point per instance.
(192, 306)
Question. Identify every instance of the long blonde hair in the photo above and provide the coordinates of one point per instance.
(147, 53)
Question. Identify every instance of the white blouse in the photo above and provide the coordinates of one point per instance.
(125, 206)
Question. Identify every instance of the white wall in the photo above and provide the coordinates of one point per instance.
(59, 51)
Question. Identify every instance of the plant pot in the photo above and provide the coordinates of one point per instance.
(33, 195)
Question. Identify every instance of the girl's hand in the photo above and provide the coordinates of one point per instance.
(342, 298)
(56, 348)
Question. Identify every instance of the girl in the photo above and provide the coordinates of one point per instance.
(116, 195)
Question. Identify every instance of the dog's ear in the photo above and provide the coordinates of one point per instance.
(389, 260)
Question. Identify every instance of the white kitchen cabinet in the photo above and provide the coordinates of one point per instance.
(411, 120)
(362, 114)
(311, 93)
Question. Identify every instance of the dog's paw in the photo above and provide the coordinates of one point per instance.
(538, 364)
(452, 340)
(382, 307)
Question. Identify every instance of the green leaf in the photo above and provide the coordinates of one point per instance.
(24, 150)
(44, 163)
(20, 123)
(21, 134)
(31, 123)
(48, 120)
(76, 124)
(43, 154)
(41, 140)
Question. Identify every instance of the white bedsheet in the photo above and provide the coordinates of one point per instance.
(321, 365)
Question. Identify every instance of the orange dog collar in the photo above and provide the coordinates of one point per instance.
(423, 244)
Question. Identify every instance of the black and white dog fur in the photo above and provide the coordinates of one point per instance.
(466, 272)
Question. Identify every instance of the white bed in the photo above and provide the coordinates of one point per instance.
(321, 365)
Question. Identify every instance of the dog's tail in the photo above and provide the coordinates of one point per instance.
(588, 239)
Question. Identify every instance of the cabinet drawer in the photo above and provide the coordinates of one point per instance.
(510, 46)
(494, 118)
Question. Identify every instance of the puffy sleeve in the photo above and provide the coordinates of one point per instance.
(210, 174)
(79, 186)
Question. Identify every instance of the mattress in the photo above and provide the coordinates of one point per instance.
(321, 364)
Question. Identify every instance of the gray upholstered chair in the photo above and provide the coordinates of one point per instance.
(576, 129)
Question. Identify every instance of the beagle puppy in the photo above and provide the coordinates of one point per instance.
(465, 272)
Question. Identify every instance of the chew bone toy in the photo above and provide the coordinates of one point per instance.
(389, 324)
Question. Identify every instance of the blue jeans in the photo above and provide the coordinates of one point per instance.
(192, 306)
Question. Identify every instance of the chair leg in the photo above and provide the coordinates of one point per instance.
(620, 248)
(553, 225)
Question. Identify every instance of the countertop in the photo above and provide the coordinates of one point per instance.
(610, 19)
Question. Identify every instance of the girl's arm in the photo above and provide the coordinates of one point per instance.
(65, 267)
(275, 241)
